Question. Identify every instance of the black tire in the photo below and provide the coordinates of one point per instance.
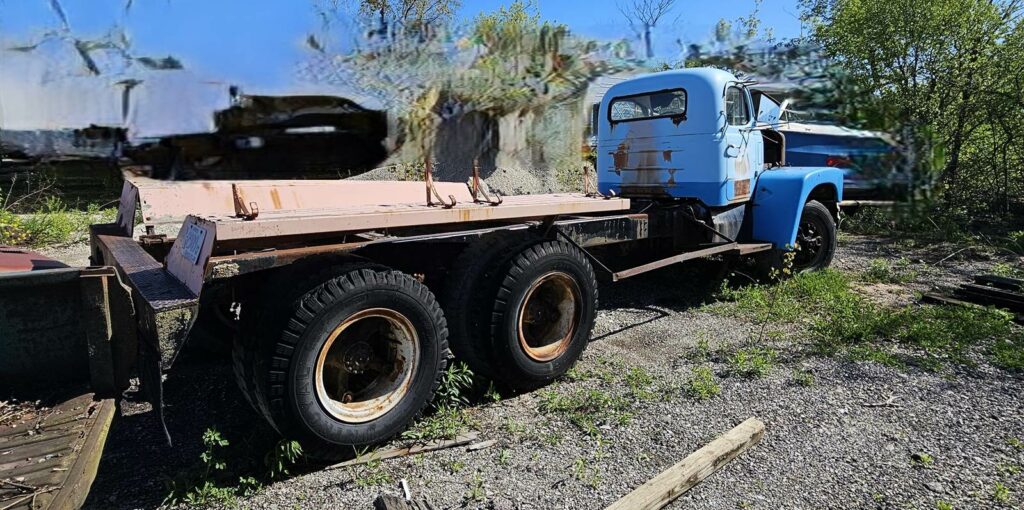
(269, 308)
(214, 330)
(815, 244)
(467, 298)
(291, 344)
(540, 282)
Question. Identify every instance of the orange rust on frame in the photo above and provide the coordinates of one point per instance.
(275, 197)
(667, 155)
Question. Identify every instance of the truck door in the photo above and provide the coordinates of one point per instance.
(744, 146)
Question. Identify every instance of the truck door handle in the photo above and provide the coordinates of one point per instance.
(732, 151)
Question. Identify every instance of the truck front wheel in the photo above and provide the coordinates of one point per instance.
(815, 245)
(353, 361)
(815, 238)
(543, 314)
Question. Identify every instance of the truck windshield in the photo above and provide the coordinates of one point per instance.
(665, 103)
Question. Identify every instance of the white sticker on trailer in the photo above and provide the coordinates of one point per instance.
(194, 238)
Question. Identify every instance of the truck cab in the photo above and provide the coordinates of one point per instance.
(699, 136)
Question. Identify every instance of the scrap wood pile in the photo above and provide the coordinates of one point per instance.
(987, 290)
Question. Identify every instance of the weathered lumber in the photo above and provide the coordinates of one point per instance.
(386, 502)
(674, 481)
(991, 296)
(410, 450)
(1000, 282)
(940, 299)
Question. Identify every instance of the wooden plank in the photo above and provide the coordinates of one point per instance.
(675, 259)
(748, 248)
(53, 459)
(1000, 282)
(388, 502)
(375, 217)
(411, 450)
(940, 299)
(674, 481)
(991, 296)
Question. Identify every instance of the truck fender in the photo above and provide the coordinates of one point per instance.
(779, 198)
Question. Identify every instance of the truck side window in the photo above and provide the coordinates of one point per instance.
(665, 103)
(736, 107)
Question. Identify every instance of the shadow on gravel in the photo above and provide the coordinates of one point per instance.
(200, 394)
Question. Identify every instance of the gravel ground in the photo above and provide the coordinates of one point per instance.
(826, 445)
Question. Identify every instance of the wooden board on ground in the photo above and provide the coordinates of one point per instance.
(50, 461)
(674, 481)
(409, 450)
(385, 502)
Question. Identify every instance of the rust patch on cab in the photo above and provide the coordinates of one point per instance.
(620, 157)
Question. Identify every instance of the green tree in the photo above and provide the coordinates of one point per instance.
(932, 68)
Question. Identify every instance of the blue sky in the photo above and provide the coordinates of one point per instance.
(259, 42)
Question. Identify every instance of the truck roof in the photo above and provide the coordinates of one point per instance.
(697, 77)
(705, 91)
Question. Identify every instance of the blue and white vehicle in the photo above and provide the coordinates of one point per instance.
(691, 140)
(326, 289)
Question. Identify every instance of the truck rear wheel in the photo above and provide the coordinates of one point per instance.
(353, 361)
(468, 297)
(543, 314)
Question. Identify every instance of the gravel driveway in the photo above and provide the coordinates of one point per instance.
(839, 433)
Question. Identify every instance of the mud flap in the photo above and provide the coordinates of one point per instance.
(151, 384)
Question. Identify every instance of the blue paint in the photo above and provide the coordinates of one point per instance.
(872, 161)
(780, 197)
(713, 154)
(701, 156)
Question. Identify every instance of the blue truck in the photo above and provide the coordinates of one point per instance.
(341, 300)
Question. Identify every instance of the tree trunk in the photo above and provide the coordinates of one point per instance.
(648, 49)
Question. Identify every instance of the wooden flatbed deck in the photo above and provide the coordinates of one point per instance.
(49, 461)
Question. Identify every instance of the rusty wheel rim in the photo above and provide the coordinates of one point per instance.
(549, 315)
(367, 364)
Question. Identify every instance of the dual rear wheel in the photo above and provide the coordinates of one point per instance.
(349, 354)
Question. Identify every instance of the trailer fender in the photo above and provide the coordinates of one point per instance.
(780, 196)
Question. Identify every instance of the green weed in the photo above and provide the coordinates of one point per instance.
(442, 423)
(880, 271)
(702, 385)
(198, 485)
(455, 383)
(371, 474)
(803, 377)
(922, 459)
(839, 319)
(504, 457)
(587, 409)
(1000, 493)
(281, 458)
(477, 492)
(753, 362)
(54, 223)
(1003, 269)
(582, 471)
